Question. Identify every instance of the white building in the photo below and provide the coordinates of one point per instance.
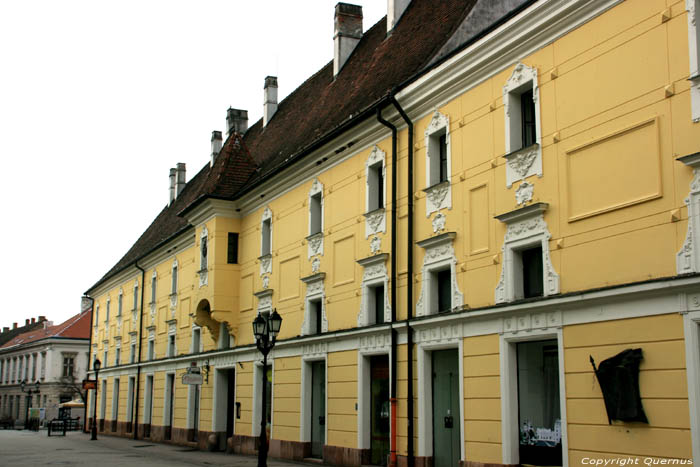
(54, 356)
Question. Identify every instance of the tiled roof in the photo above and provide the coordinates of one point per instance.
(320, 106)
(12, 333)
(77, 327)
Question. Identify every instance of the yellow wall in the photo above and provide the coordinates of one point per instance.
(341, 397)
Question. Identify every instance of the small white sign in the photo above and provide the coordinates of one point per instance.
(192, 378)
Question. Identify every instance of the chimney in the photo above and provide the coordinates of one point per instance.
(172, 186)
(180, 181)
(33, 320)
(42, 318)
(348, 32)
(237, 119)
(216, 143)
(394, 10)
(26, 322)
(5, 329)
(270, 100)
(14, 325)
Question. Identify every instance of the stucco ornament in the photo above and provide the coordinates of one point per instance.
(521, 162)
(314, 291)
(688, 258)
(315, 265)
(436, 196)
(266, 264)
(375, 222)
(374, 273)
(375, 245)
(439, 223)
(524, 193)
(266, 282)
(316, 244)
(439, 253)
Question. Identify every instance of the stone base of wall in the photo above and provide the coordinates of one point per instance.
(294, 450)
(483, 464)
(144, 430)
(418, 461)
(242, 444)
(336, 455)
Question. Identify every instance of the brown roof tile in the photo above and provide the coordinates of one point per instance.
(76, 327)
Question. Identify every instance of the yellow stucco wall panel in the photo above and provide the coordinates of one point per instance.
(685, 132)
(486, 431)
(481, 345)
(488, 453)
(477, 98)
(341, 438)
(629, 438)
(657, 355)
(666, 384)
(482, 409)
(634, 330)
(481, 365)
(662, 413)
(482, 387)
(476, 142)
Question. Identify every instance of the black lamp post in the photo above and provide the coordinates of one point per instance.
(24, 387)
(95, 366)
(265, 330)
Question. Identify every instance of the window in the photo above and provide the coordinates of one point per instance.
(115, 403)
(375, 187)
(527, 269)
(315, 315)
(693, 8)
(196, 339)
(232, 252)
(171, 345)
(43, 365)
(117, 355)
(151, 351)
(439, 292)
(224, 337)
(522, 125)
(132, 353)
(315, 320)
(266, 237)
(443, 286)
(173, 285)
(105, 362)
(34, 357)
(136, 296)
(376, 303)
(154, 282)
(120, 302)
(203, 251)
(107, 312)
(438, 164)
(315, 214)
(97, 315)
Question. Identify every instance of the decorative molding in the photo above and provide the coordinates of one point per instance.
(315, 265)
(203, 257)
(314, 291)
(375, 245)
(264, 300)
(152, 312)
(438, 197)
(531, 321)
(315, 244)
(374, 342)
(688, 258)
(266, 282)
(439, 253)
(439, 222)
(523, 163)
(375, 222)
(314, 349)
(526, 227)
(374, 273)
(449, 332)
(694, 60)
(173, 304)
(524, 193)
(265, 264)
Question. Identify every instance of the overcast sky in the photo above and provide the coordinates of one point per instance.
(98, 99)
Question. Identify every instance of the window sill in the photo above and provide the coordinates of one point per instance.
(264, 257)
(444, 183)
(375, 212)
(314, 236)
(511, 154)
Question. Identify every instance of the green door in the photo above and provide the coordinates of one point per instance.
(446, 421)
(318, 408)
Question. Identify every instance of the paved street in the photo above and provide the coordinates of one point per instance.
(26, 448)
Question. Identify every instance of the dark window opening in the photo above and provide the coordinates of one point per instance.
(316, 316)
(377, 297)
(533, 285)
(315, 214)
(266, 237)
(527, 108)
(376, 187)
(232, 248)
(443, 157)
(444, 287)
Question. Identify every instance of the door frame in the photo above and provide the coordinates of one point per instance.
(220, 399)
(509, 391)
(691, 325)
(364, 400)
(306, 388)
(425, 393)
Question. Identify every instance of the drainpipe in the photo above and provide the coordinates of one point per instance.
(392, 396)
(92, 317)
(409, 287)
(135, 421)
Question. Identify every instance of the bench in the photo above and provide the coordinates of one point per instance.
(7, 423)
(57, 425)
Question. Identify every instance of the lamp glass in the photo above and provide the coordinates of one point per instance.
(259, 325)
(275, 323)
(96, 365)
(21, 385)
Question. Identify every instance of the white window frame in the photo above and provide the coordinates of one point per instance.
(196, 330)
(688, 258)
(120, 302)
(438, 193)
(115, 399)
(132, 349)
(151, 345)
(369, 347)
(169, 401)
(314, 292)
(315, 240)
(521, 162)
(193, 391)
(136, 296)
(174, 284)
(439, 255)
(109, 301)
(526, 228)
(448, 337)
(148, 401)
(105, 359)
(171, 351)
(117, 353)
(522, 329)
(266, 234)
(130, 399)
(225, 340)
(154, 288)
(103, 401)
(375, 217)
(692, 7)
(374, 274)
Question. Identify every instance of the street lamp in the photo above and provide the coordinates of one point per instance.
(23, 386)
(265, 329)
(95, 366)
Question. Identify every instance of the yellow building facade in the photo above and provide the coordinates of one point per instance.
(448, 291)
